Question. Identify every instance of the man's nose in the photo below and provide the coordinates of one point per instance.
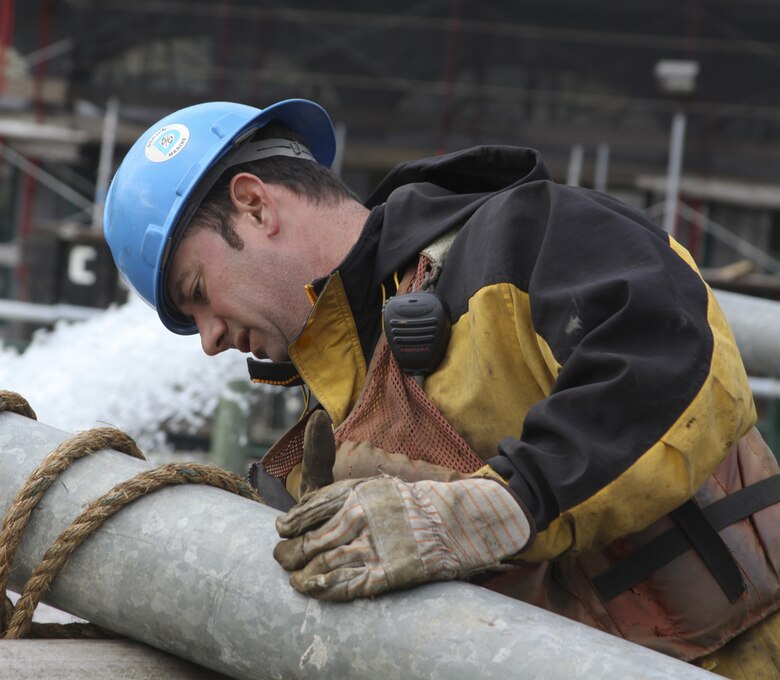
(213, 333)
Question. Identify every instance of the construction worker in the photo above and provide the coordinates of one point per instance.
(519, 383)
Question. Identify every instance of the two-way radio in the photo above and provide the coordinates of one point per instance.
(417, 328)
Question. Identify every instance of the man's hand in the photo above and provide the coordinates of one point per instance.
(361, 537)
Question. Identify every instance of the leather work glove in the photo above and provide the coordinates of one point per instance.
(319, 453)
(361, 537)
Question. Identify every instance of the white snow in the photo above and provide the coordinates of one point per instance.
(121, 367)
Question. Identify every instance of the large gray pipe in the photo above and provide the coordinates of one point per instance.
(189, 570)
(756, 325)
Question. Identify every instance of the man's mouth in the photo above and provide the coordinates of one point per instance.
(242, 342)
(254, 346)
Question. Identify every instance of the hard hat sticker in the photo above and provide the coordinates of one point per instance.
(166, 142)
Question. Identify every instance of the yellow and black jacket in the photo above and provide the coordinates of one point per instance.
(589, 366)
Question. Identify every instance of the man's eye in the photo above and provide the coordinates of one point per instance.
(197, 293)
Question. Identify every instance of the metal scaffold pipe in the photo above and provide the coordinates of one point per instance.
(756, 326)
(189, 570)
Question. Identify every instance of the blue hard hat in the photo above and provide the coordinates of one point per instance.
(171, 167)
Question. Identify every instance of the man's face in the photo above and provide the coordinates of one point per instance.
(250, 299)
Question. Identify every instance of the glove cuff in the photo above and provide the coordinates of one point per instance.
(471, 525)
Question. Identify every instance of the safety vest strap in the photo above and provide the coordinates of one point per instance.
(706, 541)
(674, 542)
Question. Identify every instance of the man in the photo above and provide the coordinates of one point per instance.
(527, 383)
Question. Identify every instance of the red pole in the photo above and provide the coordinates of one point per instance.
(6, 32)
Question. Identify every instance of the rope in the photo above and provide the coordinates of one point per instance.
(16, 622)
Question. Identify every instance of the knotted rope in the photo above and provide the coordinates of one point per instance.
(16, 622)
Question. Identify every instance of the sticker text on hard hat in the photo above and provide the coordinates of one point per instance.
(166, 142)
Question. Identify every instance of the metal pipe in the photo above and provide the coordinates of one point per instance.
(49, 52)
(768, 388)
(601, 168)
(673, 171)
(189, 570)
(108, 659)
(45, 178)
(106, 162)
(14, 310)
(734, 241)
(574, 170)
(755, 323)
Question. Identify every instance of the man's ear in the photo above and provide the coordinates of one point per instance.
(248, 192)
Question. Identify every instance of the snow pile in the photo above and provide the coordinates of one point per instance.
(120, 368)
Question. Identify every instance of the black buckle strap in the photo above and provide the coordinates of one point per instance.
(713, 551)
(650, 557)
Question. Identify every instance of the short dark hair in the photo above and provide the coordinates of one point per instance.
(306, 178)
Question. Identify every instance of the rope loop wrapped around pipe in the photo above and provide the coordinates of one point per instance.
(16, 622)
